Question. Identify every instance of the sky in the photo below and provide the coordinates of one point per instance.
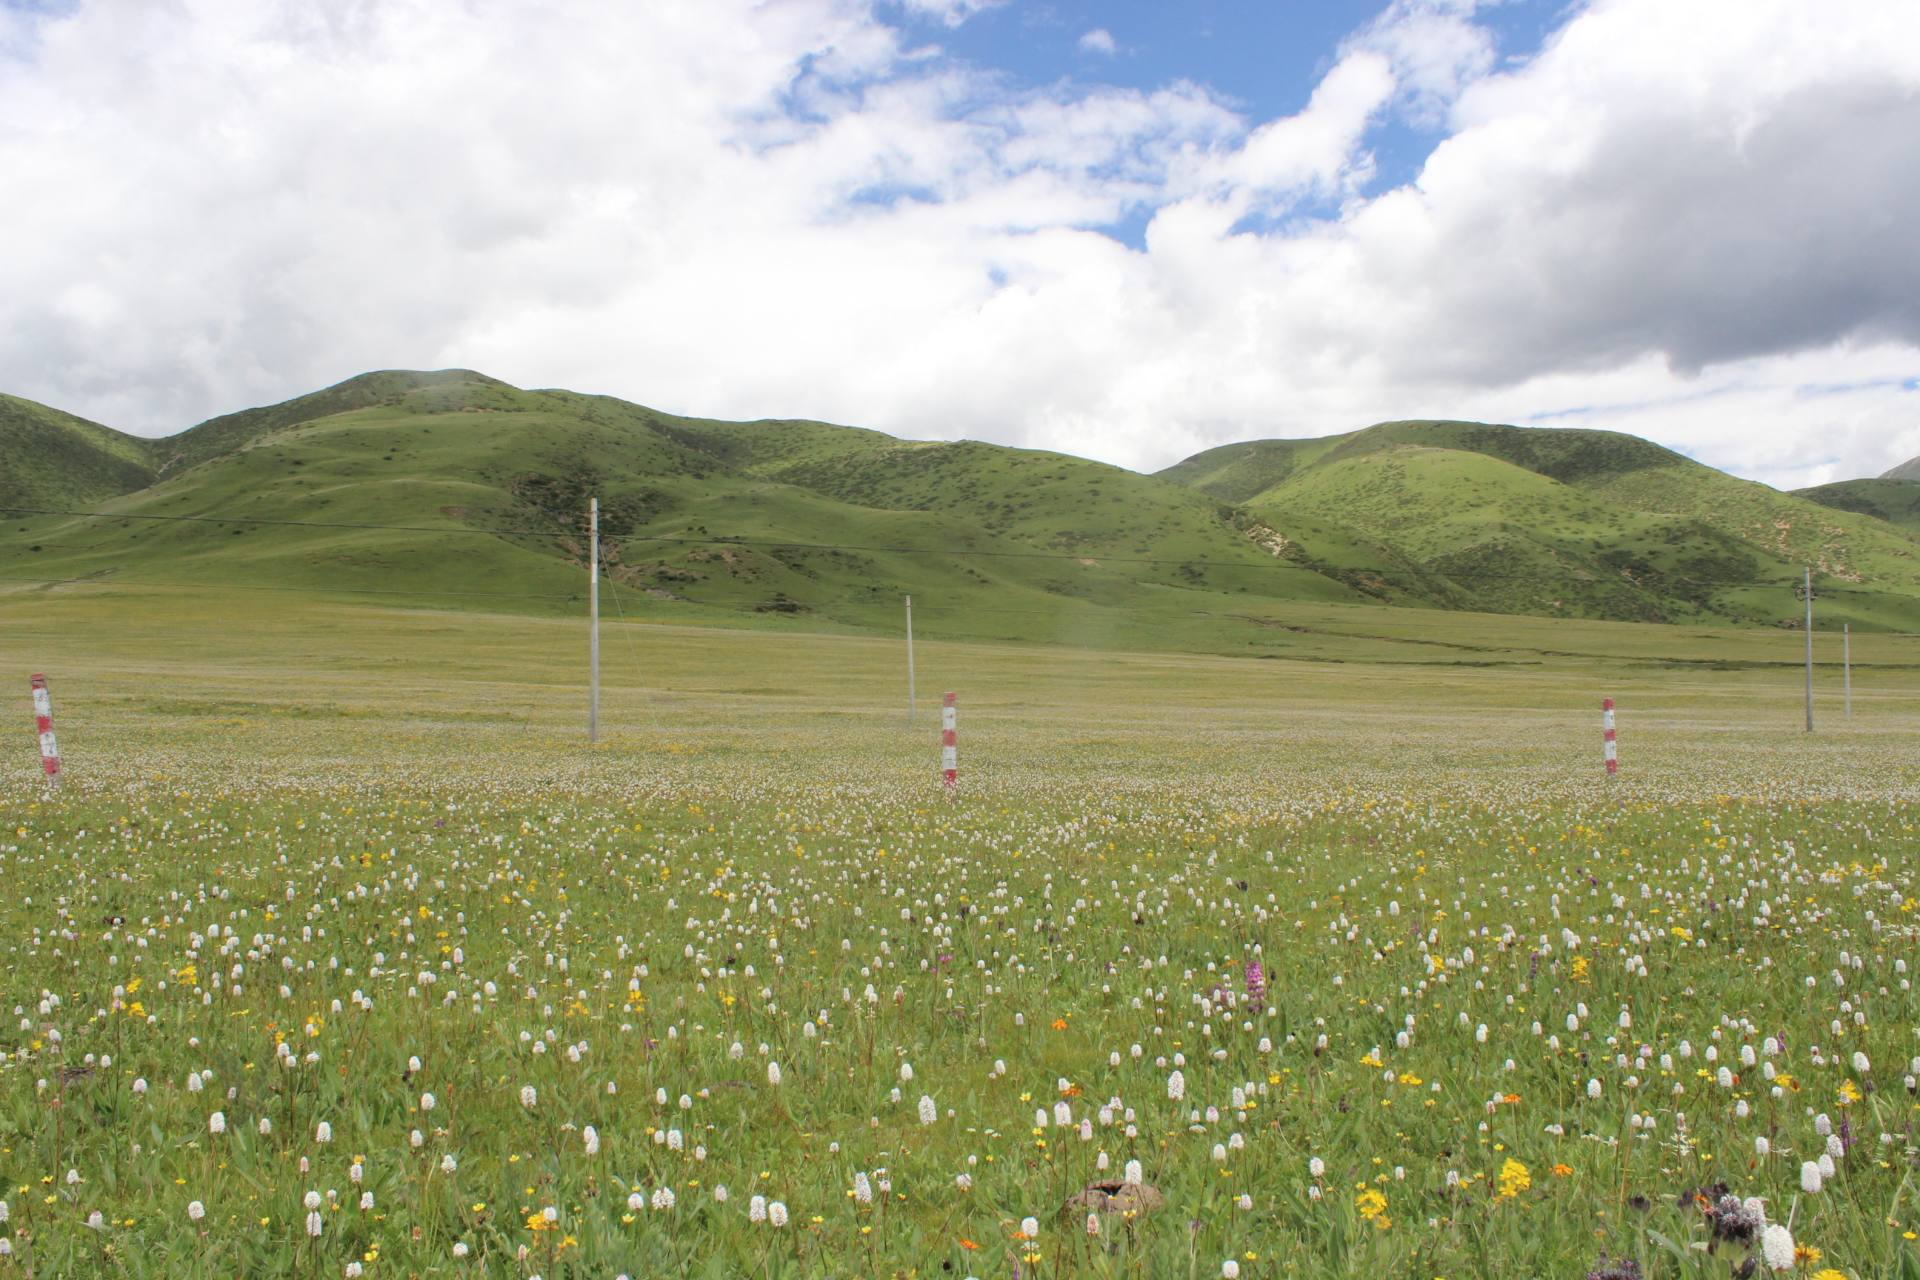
(1129, 230)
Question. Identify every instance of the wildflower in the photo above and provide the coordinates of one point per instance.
(1810, 1179)
(1176, 1087)
(1514, 1178)
(773, 1074)
(217, 1122)
(323, 1132)
(1230, 1270)
(1776, 1247)
(1373, 1208)
(448, 1164)
(1029, 1228)
(529, 1096)
(776, 1214)
(460, 1249)
(591, 1139)
(1134, 1174)
(928, 1112)
(428, 1102)
(757, 1209)
(1316, 1168)
(313, 1223)
(1614, 1269)
(663, 1198)
(196, 1210)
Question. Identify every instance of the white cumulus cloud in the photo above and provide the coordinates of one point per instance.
(1689, 221)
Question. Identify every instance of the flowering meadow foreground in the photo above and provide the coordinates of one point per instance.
(1144, 1006)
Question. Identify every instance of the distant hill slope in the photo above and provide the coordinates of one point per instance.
(456, 489)
(700, 519)
(1536, 520)
(1895, 500)
(1908, 470)
(52, 459)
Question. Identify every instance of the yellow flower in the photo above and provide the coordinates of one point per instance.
(1829, 1273)
(1373, 1207)
(1514, 1178)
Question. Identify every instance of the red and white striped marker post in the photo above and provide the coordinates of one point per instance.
(949, 746)
(43, 724)
(1611, 751)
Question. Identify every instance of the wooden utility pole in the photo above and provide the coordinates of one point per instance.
(909, 659)
(1846, 664)
(1809, 594)
(593, 619)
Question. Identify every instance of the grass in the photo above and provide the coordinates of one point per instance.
(823, 528)
(304, 843)
(1895, 501)
(1561, 522)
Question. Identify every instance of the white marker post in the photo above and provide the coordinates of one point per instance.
(43, 725)
(949, 746)
(1610, 748)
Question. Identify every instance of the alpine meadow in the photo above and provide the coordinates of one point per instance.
(339, 950)
(959, 640)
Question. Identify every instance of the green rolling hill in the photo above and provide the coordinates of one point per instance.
(795, 522)
(1889, 498)
(1560, 521)
(53, 459)
(453, 489)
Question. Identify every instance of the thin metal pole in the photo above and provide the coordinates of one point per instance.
(909, 659)
(1846, 664)
(1809, 591)
(593, 619)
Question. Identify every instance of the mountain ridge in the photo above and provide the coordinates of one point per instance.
(408, 478)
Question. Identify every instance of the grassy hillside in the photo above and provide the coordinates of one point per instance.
(1895, 501)
(1558, 522)
(457, 490)
(798, 522)
(53, 459)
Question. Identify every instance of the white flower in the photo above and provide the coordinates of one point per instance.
(773, 1073)
(757, 1209)
(196, 1210)
(1229, 1270)
(1316, 1168)
(777, 1214)
(1134, 1174)
(366, 1201)
(1176, 1087)
(460, 1249)
(591, 1138)
(1030, 1228)
(1860, 1062)
(1810, 1178)
(1776, 1247)
(964, 1181)
(217, 1122)
(928, 1112)
(529, 1096)
(313, 1223)
(354, 1271)
(1093, 1224)
(312, 1200)
(720, 1194)
(862, 1189)
(266, 1126)
(551, 1214)
(1593, 1088)
(428, 1102)
(637, 1202)
(1761, 1147)
(323, 1132)
(140, 1087)
(906, 1072)
(663, 1198)
(448, 1164)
